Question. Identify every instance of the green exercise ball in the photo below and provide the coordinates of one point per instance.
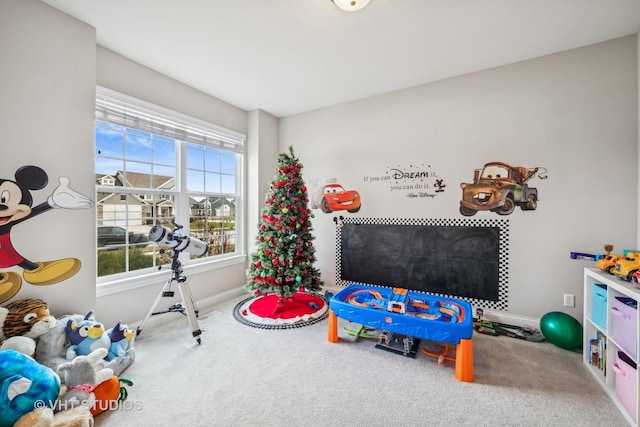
(561, 329)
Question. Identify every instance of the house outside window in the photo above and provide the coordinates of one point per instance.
(159, 168)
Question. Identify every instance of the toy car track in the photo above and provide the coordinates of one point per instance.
(513, 331)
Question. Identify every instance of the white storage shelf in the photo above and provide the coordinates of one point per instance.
(615, 287)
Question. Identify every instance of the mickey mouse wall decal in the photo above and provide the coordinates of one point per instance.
(16, 207)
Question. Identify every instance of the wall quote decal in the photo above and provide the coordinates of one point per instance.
(416, 181)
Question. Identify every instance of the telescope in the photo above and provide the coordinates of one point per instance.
(177, 240)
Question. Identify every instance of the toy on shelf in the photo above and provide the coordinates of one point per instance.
(635, 279)
(608, 262)
(625, 267)
(583, 255)
(598, 257)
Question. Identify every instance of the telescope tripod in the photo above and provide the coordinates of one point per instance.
(187, 306)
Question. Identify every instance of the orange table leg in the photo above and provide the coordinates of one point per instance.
(464, 360)
(333, 327)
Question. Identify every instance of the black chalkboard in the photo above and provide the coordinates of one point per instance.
(459, 261)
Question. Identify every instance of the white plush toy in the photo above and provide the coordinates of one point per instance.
(82, 375)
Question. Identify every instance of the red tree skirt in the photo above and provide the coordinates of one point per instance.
(274, 310)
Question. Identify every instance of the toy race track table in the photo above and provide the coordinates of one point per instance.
(411, 313)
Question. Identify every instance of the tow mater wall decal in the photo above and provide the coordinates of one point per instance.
(500, 187)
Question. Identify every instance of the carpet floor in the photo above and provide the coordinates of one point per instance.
(244, 376)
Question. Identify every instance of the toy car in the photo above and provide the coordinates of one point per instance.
(635, 279)
(608, 262)
(333, 197)
(625, 267)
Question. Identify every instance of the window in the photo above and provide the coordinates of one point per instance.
(159, 168)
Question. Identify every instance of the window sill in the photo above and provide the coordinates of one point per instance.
(139, 281)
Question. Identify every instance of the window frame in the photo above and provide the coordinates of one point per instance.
(221, 138)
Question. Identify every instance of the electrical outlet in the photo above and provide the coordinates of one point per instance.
(569, 300)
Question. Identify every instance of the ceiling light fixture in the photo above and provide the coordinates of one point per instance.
(351, 5)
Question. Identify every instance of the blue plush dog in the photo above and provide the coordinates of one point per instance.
(86, 336)
(121, 338)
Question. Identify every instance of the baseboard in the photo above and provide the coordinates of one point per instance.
(511, 319)
(216, 299)
(208, 304)
(333, 289)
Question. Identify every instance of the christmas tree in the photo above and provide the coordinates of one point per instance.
(284, 257)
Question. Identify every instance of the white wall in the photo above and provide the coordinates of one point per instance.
(573, 113)
(262, 147)
(638, 126)
(125, 76)
(47, 82)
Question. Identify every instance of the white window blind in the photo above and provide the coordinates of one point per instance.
(121, 112)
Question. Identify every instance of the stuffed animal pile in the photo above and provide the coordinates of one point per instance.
(58, 372)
